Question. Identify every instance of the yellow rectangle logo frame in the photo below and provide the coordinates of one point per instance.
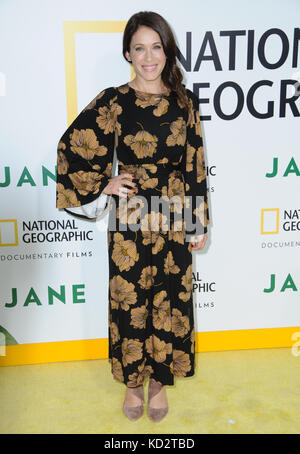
(14, 221)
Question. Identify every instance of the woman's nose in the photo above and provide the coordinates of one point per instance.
(148, 55)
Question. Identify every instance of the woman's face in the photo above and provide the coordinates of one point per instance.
(147, 54)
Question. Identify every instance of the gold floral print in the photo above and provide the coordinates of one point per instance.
(108, 117)
(129, 211)
(123, 89)
(150, 184)
(154, 222)
(187, 201)
(84, 143)
(147, 276)
(117, 370)
(137, 378)
(191, 114)
(144, 100)
(161, 311)
(170, 266)
(190, 151)
(86, 182)
(143, 143)
(198, 128)
(163, 161)
(131, 351)
(201, 212)
(175, 187)
(107, 170)
(157, 348)
(139, 316)
(162, 108)
(122, 293)
(155, 238)
(66, 197)
(180, 323)
(145, 181)
(201, 173)
(151, 167)
(140, 172)
(187, 282)
(158, 243)
(62, 163)
(177, 232)
(174, 194)
(61, 145)
(178, 136)
(124, 252)
(181, 363)
(151, 326)
(114, 332)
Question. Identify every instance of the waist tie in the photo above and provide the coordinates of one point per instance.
(153, 181)
(150, 169)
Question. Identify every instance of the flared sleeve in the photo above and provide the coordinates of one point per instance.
(85, 156)
(193, 167)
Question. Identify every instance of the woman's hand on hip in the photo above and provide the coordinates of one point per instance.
(198, 242)
(116, 185)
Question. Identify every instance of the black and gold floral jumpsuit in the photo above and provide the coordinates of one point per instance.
(151, 321)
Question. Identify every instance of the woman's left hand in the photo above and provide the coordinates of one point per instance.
(198, 242)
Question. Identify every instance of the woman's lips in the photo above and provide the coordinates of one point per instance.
(149, 68)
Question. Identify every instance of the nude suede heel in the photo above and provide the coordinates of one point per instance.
(156, 414)
(133, 413)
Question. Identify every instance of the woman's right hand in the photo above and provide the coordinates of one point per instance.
(116, 185)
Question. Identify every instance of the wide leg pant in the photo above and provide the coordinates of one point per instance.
(151, 319)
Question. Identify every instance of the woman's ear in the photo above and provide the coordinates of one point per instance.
(127, 56)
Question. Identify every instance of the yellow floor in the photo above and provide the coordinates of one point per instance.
(239, 392)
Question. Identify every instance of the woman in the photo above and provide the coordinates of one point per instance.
(153, 123)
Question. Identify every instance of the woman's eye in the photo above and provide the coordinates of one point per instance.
(140, 48)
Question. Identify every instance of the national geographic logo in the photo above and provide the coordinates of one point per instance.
(8, 232)
(272, 224)
(54, 231)
(41, 231)
(269, 223)
(274, 221)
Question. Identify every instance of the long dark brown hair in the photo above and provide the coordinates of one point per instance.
(171, 74)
